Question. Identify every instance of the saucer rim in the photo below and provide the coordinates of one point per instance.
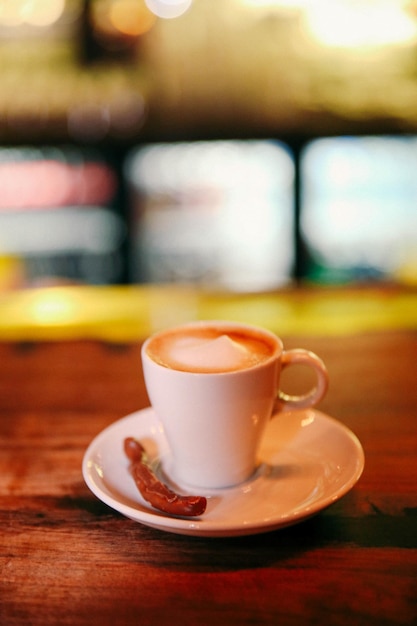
(199, 526)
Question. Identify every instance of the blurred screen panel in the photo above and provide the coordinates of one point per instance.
(213, 213)
(358, 215)
(57, 217)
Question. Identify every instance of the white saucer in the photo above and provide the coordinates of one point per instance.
(307, 461)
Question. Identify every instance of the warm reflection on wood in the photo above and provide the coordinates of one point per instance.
(64, 555)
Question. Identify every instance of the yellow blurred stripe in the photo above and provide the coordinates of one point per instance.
(131, 313)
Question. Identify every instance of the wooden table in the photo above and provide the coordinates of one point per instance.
(67, 558)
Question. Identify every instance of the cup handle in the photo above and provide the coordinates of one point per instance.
(286, 402)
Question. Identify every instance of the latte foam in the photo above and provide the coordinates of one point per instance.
(209, 349)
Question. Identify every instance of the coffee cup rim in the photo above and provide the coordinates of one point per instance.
(278, 343)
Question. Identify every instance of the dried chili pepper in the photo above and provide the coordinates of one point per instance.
(154, 491)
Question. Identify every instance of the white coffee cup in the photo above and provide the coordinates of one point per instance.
(214, 385)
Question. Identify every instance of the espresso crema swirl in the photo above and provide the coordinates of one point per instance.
(209, 349)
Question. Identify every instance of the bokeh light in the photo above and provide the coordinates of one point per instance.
(169, 9)
(355, 25)
(131, 17)
(41, 13)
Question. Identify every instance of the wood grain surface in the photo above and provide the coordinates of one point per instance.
(67, 558)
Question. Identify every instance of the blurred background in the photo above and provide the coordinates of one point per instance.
(243, 145)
